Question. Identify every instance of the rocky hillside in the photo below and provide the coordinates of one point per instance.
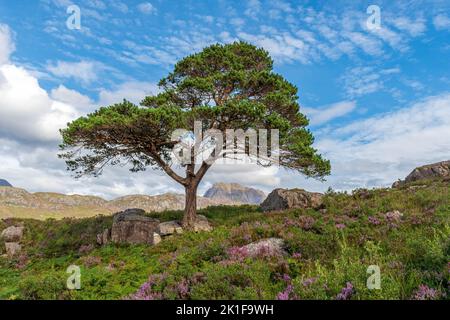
(19, 203)
(235, 193)
(4, 183)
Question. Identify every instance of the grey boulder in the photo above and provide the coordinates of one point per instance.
(12, 249)
(202, 224)
(12, 234)
(169, 228)
(133, 227)
(266, 247)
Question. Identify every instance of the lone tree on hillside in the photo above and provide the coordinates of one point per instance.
(224, 86)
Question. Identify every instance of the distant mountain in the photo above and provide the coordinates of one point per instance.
(4, 183)
(19, 203)
(235, 193)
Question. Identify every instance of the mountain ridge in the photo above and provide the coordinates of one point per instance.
(19, 203)
(235, 192)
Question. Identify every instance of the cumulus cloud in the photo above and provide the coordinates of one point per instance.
(26, 111)
(71, 97)
(30, 119)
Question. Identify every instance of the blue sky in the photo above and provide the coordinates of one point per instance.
(378, 99)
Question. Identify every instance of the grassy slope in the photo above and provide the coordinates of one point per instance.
(411, 252)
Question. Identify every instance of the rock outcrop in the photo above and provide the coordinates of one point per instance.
(133, 227)
(429, 171)
(282, 199)
(233, 192)
(12, 249)
(12, 237)
(12, 234)
(202, 224)
(169, 228)
(104, 237)
(156, 238)
(265, 247)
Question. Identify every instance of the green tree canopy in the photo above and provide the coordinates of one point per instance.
(224, 86)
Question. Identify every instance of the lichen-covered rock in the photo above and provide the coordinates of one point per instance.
(12, 234)
(265, 247)
(104, 237)
(202, 224)
(132, 226)
(282, 199)
(156, 238)
(12, 249)
(169, 227)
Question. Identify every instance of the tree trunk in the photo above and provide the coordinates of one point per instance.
(190, 209)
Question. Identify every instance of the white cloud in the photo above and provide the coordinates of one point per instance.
(282, 47)
(379, 150)
(6, 44)
(281, 5)
(133, 91)
(237, 22)
(26, 111)
(368, 44)
(441, 22)
(361, 81)
(146, 8)
(253, 8)
(325, 114)
(71, 97)
(119, 5)
(413, 27)
(98, 4)
(85, 71)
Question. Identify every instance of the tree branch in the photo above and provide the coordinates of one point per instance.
(167, 169)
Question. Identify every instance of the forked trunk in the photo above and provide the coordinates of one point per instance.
(190, 209)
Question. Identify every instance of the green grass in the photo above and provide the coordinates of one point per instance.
(412, 252)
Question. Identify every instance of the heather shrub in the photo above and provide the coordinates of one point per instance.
(47, 286)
